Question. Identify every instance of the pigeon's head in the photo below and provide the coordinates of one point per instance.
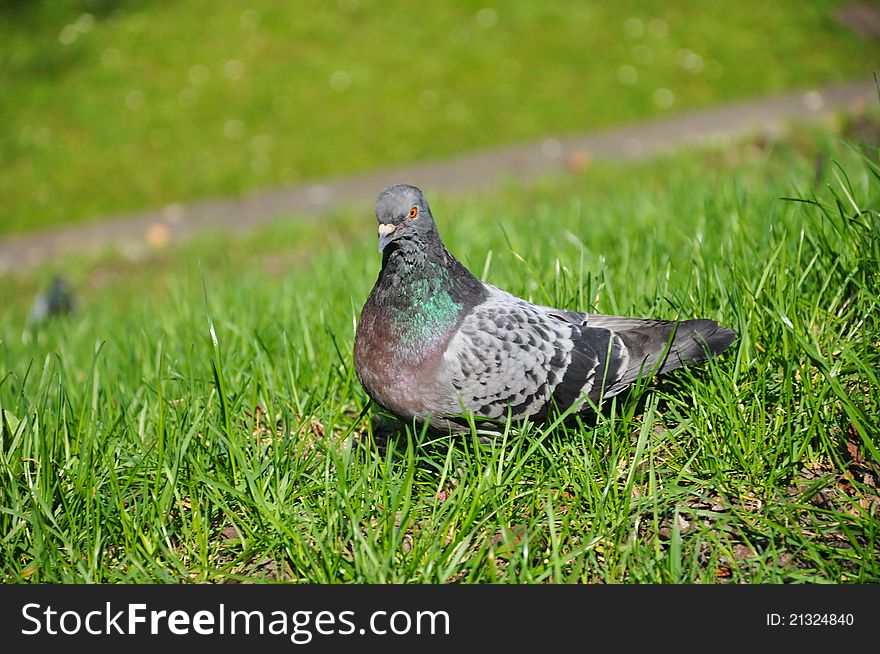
(402, 212)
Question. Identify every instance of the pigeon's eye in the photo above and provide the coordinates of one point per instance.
(413, 213)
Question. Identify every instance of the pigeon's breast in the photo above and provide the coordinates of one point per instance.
(404, 380)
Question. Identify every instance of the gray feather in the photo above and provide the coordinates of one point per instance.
(509, 356)
(655, 346)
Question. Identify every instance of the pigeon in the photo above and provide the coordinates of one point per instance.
(435, 345)
(56, 300)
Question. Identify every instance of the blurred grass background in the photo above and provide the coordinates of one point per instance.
(117, 105)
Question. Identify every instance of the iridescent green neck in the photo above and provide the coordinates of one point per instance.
(424, 309)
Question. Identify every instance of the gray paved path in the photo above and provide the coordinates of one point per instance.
(525, 162)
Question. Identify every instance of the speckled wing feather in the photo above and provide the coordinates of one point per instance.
(511, 355)
(650, 346)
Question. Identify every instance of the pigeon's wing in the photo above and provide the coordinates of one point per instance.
(512, 356)
(653, 346)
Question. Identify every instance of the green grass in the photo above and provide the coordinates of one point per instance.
(198, 419)
(109, 106)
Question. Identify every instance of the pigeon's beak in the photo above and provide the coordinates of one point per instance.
(385, 232)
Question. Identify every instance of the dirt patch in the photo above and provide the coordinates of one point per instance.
(863, 18)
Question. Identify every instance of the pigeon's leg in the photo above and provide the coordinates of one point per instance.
(385, 429)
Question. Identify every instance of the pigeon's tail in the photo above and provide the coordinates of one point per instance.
(659, 346)
(696, 341)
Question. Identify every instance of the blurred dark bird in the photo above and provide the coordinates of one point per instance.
(434, 343)
(55, 301)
